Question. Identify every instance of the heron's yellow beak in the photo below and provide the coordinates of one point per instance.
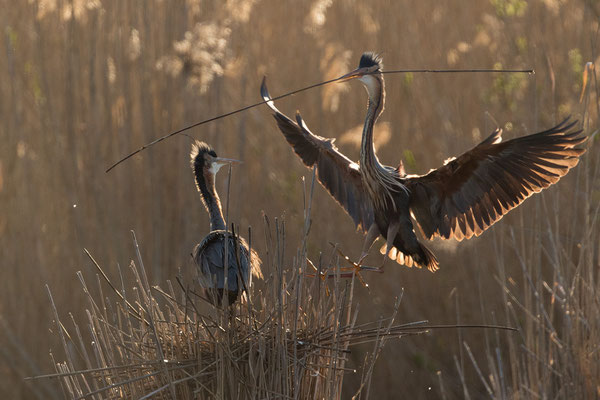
(222, 160)
(357, 73)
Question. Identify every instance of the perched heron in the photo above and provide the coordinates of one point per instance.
(459, 200)
(209, 255)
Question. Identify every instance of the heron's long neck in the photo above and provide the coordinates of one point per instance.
(206, 185)
(368, 159)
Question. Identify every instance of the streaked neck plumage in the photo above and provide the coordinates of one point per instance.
(376, 91)
(379, 181)
(206, 185)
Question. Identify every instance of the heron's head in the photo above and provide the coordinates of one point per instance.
(368, 72)
(204, 159)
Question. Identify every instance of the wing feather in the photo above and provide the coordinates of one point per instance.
(336, 172)
(472, 192)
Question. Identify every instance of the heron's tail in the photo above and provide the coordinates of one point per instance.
(427, 259)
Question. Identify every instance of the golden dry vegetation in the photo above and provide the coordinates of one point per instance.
(83, 82)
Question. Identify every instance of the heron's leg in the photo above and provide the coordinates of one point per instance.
(393, 229)
(372, 235)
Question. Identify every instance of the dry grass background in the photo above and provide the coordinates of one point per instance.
(84, 82)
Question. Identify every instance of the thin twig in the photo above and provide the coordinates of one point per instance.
(293, 92)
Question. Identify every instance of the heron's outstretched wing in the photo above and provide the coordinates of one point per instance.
(470, 193)
(336, 172)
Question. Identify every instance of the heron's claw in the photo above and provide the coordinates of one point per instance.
(362, 257)
(383, 263)
(355, 268)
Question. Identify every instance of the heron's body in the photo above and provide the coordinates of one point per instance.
(459, 200)
(209, 256)
(388, 194)
(220, 250)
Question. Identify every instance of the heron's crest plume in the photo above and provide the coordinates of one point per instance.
(199, 148)
(197, 155)
(198, 161)
(370, 59)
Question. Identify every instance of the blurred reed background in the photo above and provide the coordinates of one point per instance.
(83, 82)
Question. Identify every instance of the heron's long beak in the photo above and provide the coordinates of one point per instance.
(357, 73)
(220, 161)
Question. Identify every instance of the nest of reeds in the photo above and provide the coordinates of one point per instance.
(289, 337)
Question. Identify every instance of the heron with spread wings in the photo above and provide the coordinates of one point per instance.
(459, 200)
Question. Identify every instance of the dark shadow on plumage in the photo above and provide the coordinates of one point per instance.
(459, 200)
(210, 255)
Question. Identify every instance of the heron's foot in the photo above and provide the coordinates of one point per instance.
(355, 268)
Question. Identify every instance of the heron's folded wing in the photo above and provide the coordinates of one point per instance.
(470, 193)
(336, 172)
